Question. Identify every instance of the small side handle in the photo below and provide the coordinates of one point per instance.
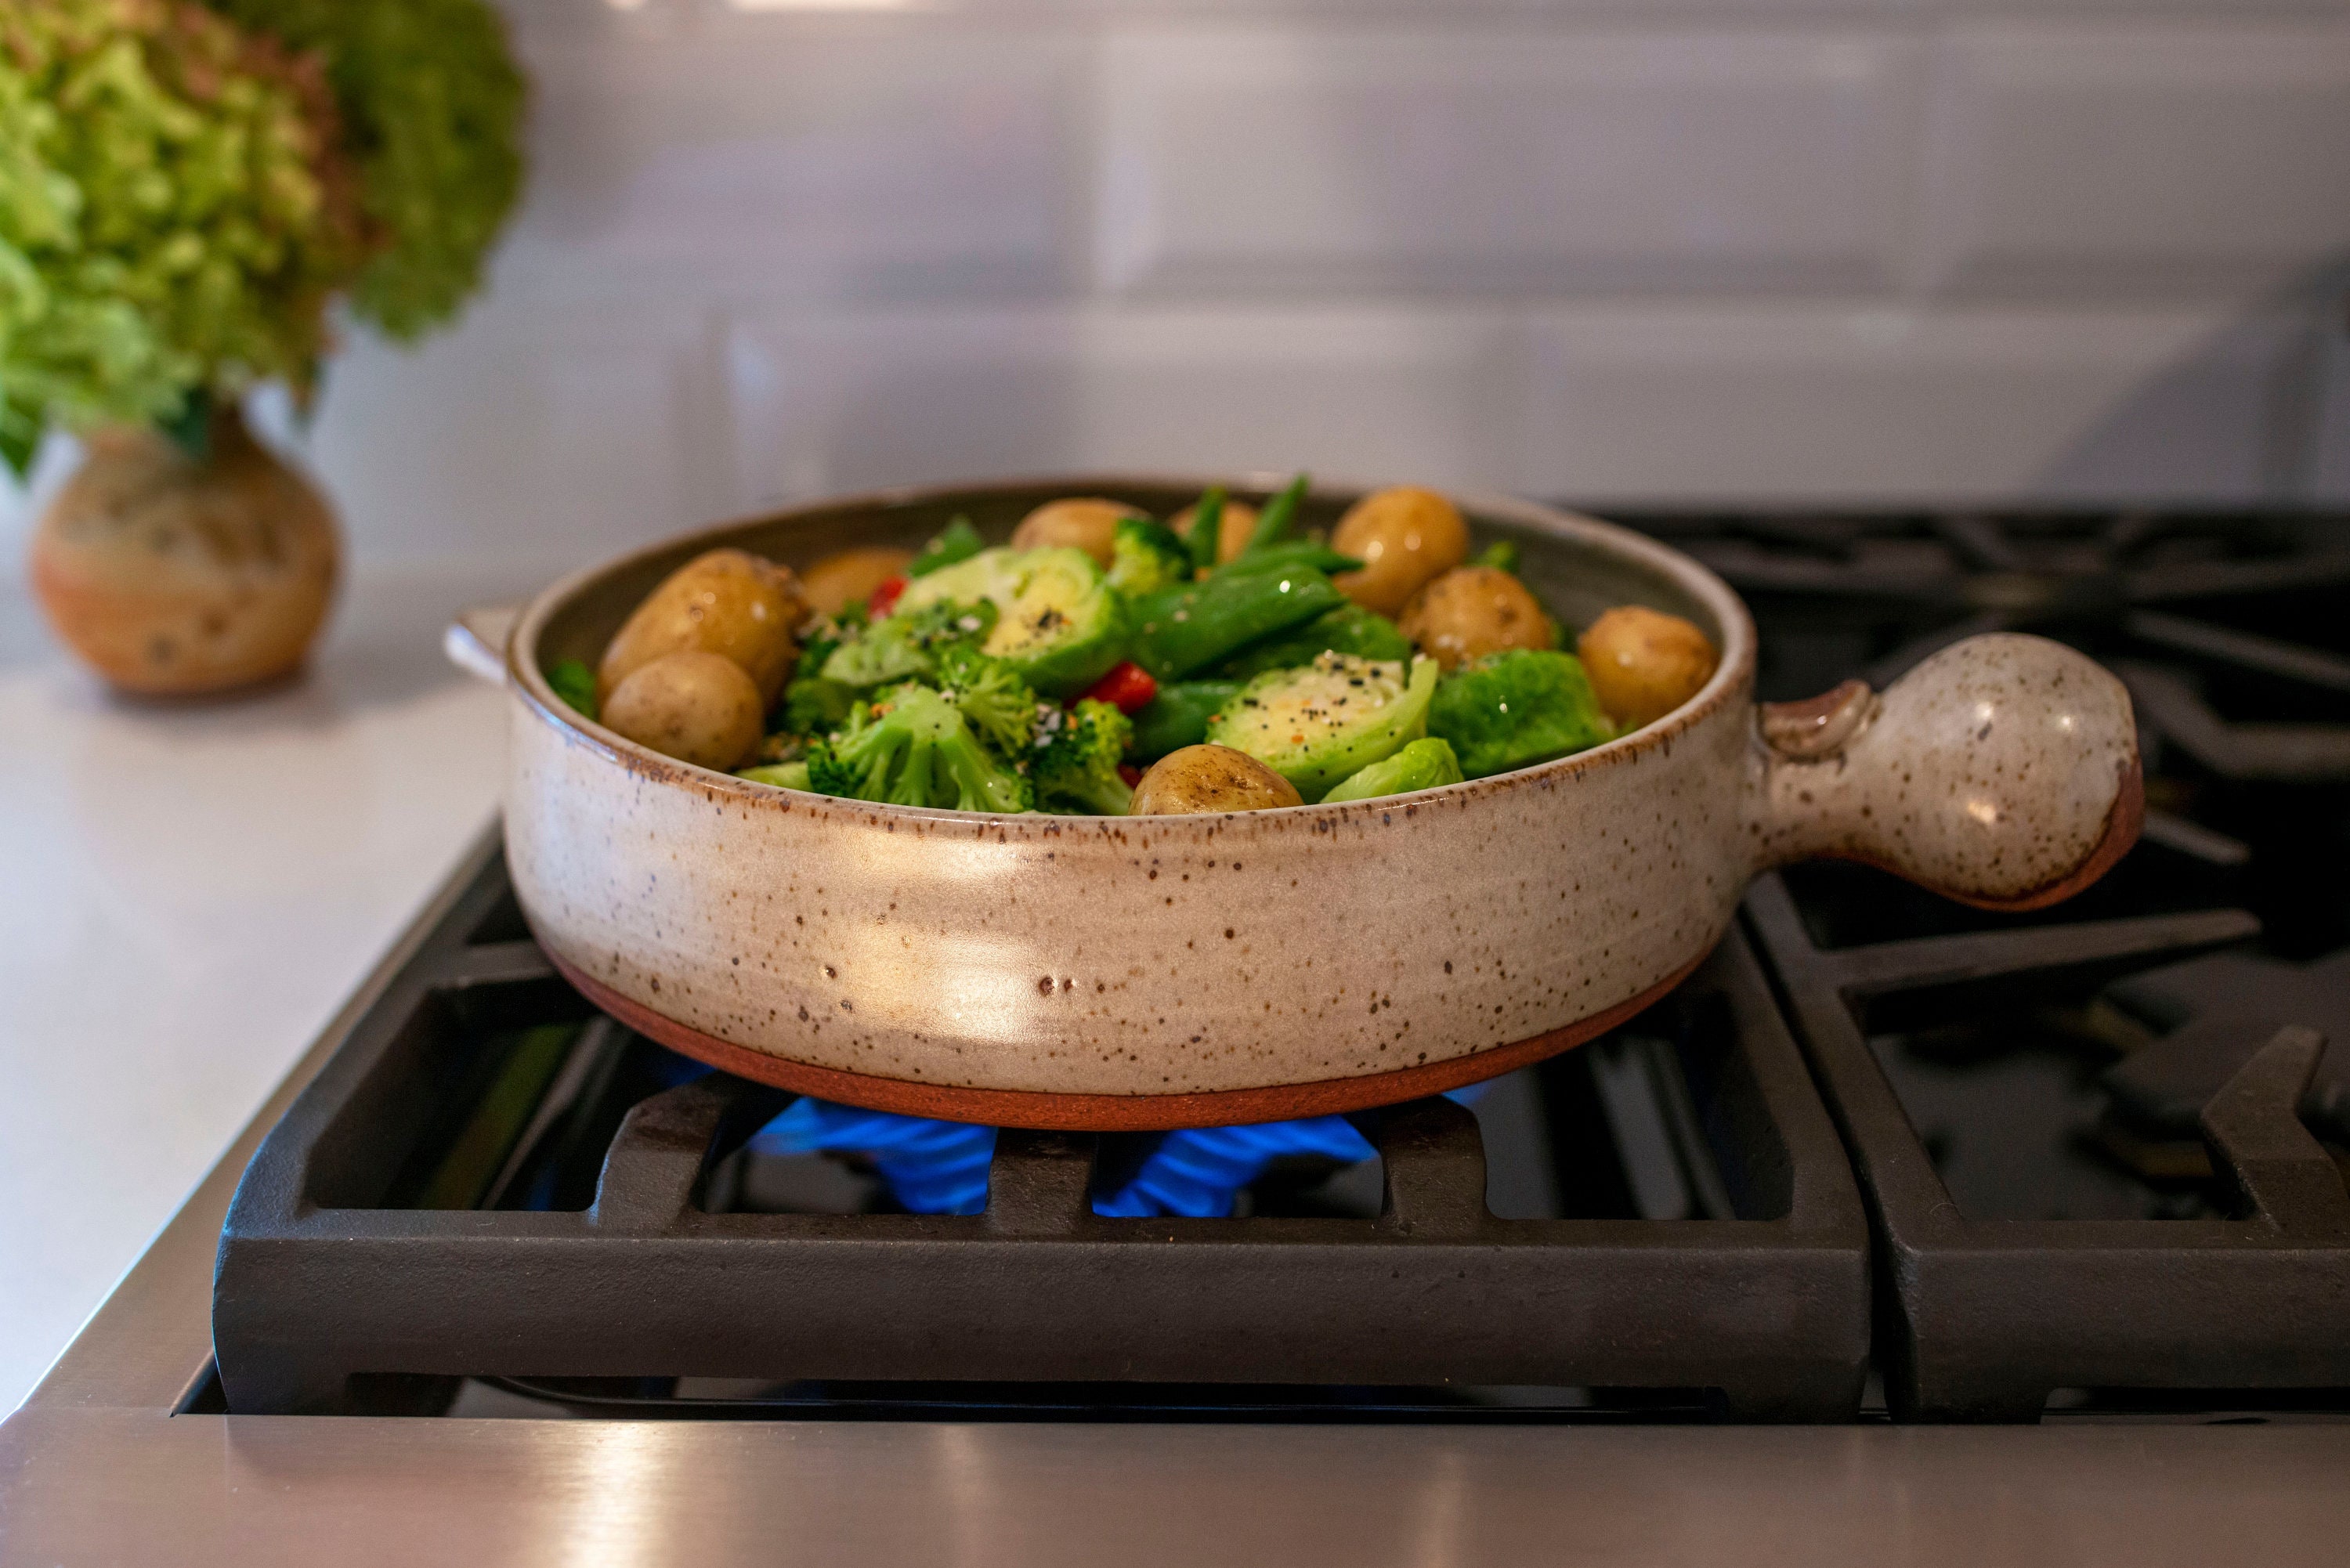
(475, 642)
(2002, 772)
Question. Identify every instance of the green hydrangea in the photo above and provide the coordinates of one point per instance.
(432, 107)
(170, 215)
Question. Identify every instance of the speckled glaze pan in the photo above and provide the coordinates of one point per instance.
(1142, 972)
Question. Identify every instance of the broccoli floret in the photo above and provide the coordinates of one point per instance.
(1514, 709)
(910, 746)
(994, 699)
(1146, 556)
(1075, 757)
(905, 644)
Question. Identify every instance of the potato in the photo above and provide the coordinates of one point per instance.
(1080, 523)
(700, 708)
(726, 602)
(1209, 778)
(1405, 538)
(1643, 663)
(849, 577)
(1473, 610)
(1232, 533)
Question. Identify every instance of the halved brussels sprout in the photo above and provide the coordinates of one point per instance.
(1334, 717)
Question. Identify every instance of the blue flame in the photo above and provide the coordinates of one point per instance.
(933, 1167)
(940, 1167)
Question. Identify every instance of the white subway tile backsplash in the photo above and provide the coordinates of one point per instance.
(530, 433)
(2116, 161)
(799, 157)
(1875, 404)
(1488, 159)
(843, 404)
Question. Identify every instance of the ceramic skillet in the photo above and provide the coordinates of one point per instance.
(1146, 972)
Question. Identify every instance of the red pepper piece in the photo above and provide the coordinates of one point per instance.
(884, 597)
(1128, 688)
(1131, 773)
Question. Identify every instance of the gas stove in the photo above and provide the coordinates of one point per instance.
(1891, 1204)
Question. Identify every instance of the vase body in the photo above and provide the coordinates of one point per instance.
(174, 575)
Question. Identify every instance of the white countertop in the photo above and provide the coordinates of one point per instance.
(187, 893)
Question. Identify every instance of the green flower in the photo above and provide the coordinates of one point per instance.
(170, 216)
(431, 108)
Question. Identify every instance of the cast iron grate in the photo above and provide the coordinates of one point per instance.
(2095, 1154)
(485, 1182)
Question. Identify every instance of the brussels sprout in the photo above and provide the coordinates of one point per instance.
(1060, 626)
(1514, 709)
(1334, 717)
(1423, 764)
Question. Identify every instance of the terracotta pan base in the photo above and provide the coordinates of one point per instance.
(1110, 1113)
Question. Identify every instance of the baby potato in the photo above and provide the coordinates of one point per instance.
(697, 707)
(1079, 523)
(1404, 537)
(1470, 611)
(849, 577)
(1232, 534)
(1644, 663)
(1209, 778)
(727, 602)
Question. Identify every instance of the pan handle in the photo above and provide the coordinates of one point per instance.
(475, 642)
(2002, 772)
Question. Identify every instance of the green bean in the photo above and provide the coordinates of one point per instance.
(1291, 552)
(1183, 629)
(1207, 528)
(1273, 522)
(1178, 717)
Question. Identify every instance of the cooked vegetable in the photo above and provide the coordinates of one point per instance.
(1075, 761)
(1292, 553)
(910, 746)
(1471, 611)
(696, 706)
(1335, 717)
(1514, 709)
(991, 694)
(883, 600)
(1179, 716)
(1280, 516)
(1644, 663)
(1061, 625)
(727, 602)
(958, 541)
(1128, 688)
(1349, 629)
(1199, 779)
(1404, 537)
(899, 647)
(1146, 556)
(1179, 631)
(1501, 555)
(783, 775)
(576, 684)
(1423, 764)
(849, 577)
(1236, 526)
(1087, 523)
